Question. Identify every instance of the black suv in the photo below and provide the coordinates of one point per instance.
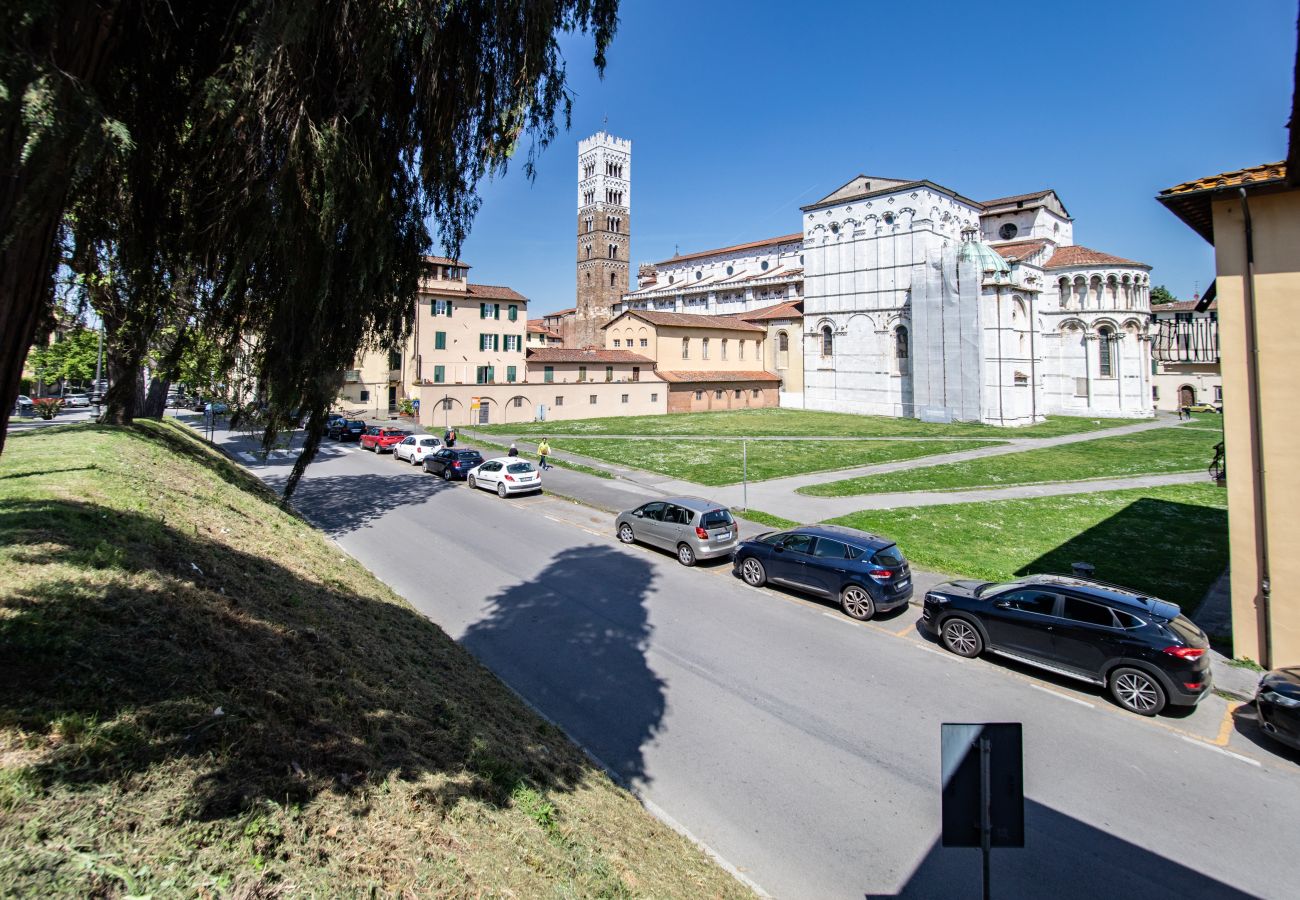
(865, 572)
(451, 463)
(1143, 649)
(346, 429)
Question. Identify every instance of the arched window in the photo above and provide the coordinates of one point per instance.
(828, 341)
(900, 347)
(611, 279)
(783, 342)
(1105, 358)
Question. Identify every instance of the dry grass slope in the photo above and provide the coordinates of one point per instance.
(201, 696)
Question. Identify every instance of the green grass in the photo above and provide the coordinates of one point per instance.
(762, 518)
(796, 423)
(576, 467)
(720, 462)
(1171, 541)
(1152, 452)
(200, 696)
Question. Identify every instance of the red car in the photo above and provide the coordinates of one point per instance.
(380, 440)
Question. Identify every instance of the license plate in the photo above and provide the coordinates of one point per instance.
(722, 536)
(904, 583)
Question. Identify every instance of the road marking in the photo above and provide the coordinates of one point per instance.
(928, 649)
(1047, 690)
(1226, 726)
(911, 627)
(838, 618)
(1208, 746)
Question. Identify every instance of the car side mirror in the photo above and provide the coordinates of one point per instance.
(1002, 604)
(778, 548)
(639, 514)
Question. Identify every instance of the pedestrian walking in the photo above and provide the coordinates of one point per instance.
(514, 451)
(449, 438)
(543, 451)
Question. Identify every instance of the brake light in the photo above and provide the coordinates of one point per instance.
(1185, 652)
(701, 533)
(881, 575)
(455, 465)
(1193, 685)
(510, 478)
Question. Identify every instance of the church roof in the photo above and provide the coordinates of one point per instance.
(863, 187)
(735, 248)
(790, 309)
(1025, 201)
(1018, 251)
(1070, 256)
(688, 320)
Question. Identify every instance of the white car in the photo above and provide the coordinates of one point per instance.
(415, 448)
(505, 475)
(74, 401)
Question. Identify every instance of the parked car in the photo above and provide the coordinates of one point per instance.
(76, 401)
(346, 429)
(1203, 408)
(505, 475)
(381, 440)
(216, 407)
(23, 406)
(865, 572)
(449, 463)
(1277, 703)
(196, 404)
(415, 448)
(1141, 648)
(692, 528)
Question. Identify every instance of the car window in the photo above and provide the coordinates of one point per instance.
(678, 515)
(428, 442)
(828, 549)
(1126, 620)
(800, 543)
(519, 467)
(854, 552)
(774, 538)
(1029, 600)
(888, 556)
(408, 441)
(1077, 610)
(491, 467)
(653, 511)
(716, 518)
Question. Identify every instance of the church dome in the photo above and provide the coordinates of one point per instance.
(989, 260)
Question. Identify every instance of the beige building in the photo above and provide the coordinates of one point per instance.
(1185, 355)
(782, 347)
(1252, 216)
(540, 336)
(709, 362)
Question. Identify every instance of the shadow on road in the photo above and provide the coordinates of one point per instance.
(573, 640)
(339, 504)
(1065, 859)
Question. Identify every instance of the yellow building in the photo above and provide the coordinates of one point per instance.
(1252, 217)
(783, 346)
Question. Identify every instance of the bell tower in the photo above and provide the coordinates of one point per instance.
(604, 234)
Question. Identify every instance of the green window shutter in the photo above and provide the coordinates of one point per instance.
(548, 374)
(439, 374)
(440, 340)
(450, 307)
(496, 310)
(510, 373)
(482, 310)
(496, 343)
(491, 374)
(514, 313)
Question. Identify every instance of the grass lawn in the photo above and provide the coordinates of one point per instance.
(780, 422)
(762, 518)
(200, 696)
(1170, 541)
(1144, 453)
(720, 462)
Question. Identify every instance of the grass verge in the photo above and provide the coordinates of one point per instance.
(1171, 541)
(762, 518)
(199, 695)
(785, 422)
(722, 462)
(576, 467)
(1154, 452)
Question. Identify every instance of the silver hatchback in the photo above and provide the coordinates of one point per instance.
(690, 527)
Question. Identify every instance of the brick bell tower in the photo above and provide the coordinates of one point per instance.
(604, 234)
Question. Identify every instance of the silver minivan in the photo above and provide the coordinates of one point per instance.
(690, 527)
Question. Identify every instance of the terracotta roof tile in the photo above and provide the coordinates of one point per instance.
(536, 326)
(560, 313)
(1191, 200)
(1237, 178)
(1074, 255)
(789, 309)
(736, 248)
(494, 292)
(444, 261)
(1020, 250)
(566, 355)
(716, 376)
(689, 320)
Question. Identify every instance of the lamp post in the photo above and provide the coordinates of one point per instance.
(744, 472)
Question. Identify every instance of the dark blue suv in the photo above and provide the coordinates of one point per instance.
(865, 572)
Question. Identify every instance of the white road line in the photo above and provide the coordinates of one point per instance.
(838, 618)
(1200, 743)
(1047, 690)
(929, 649)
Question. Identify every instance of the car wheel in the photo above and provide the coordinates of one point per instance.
(501, 490)
(446, 474)
(857, 603)
(685, 555)
(473, 482)
(1137, 691)
(753, 572)
(625, 533)
(962, 637)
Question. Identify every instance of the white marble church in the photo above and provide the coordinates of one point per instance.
(920, 302)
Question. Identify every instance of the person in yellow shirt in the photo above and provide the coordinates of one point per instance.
(543, 451)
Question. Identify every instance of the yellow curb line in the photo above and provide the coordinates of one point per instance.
(1226, 727)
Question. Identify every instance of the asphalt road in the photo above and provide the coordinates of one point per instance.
(800, 746)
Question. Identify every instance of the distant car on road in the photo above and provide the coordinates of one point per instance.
(506, 475)
(216, 407)
(415, 448)
(692, 528)
(1203, 408)
(1277, 703)
(1141, 648)
(23, 406)
(346, 429)
(76, 401)
(381, 440)
(449, 464)
(866, 573)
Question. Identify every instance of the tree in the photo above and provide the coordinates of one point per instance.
(1160, 294)
(69, 357)
(285, 155)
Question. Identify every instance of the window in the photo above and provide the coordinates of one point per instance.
(582, 373)
(365, 395)
(510, 374)
(724, 348)
(519, 401)
(548, 374)
(617, 343)
(1218, 393)
(741, 344)
(654, 398)
(440, 340)
(489, 310)
(625, 397)
(783, 342)
(514, 313)
(755, 392)
(645, 342)
(1105, 346)
(1008, 231)
(764, 266)
(611, 279)
(699, 395)
(686, 348)
(1040, 602)
(609, 373)
(489, 342)
(737, 393)
(731, 270)
(439, 374)
(799, 543)
(704, 348)
(698, 275)
(484, 375)
(394, 359)
(900, 346)
(1077, 610)
(717, 395)
(653, 511)
(636, 373)
(828, 549)
(559, 401)
(440, 308)
(828, 341)
(592, 399)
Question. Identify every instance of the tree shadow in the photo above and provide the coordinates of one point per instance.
(339, 504)
(573, 642)
(1170, 550)
(131, 645)
(1063, 858)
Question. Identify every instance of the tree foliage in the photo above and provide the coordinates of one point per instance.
(70, 357)
(1160, 294)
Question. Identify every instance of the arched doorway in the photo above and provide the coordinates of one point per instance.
(1186, 395)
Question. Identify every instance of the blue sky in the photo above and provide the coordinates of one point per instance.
(741, 112)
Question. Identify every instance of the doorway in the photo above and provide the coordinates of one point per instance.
(392, 398)
(1186, 395)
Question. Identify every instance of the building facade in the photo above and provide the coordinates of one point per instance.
(603, 238)
(1185, 355)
